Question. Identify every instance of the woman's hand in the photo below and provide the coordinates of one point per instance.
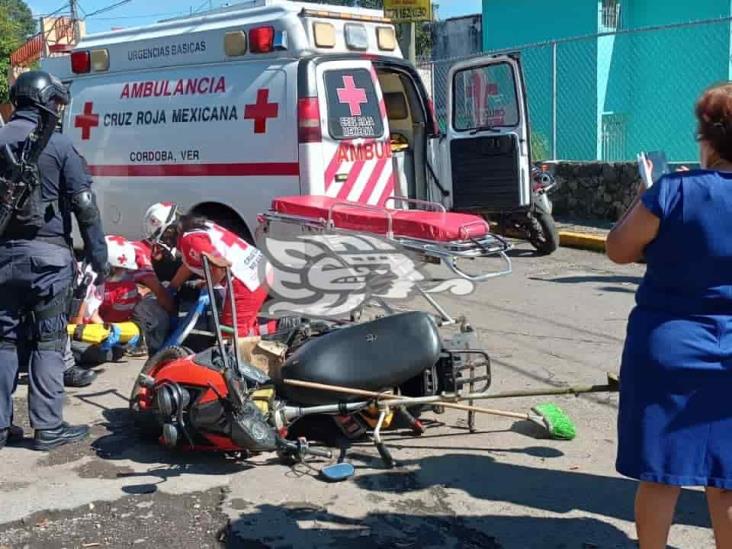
(649, 165)
(642, 185)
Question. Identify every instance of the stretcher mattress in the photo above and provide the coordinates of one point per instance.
(418, 224)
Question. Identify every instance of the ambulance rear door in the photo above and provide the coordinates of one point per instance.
(354, 161)
(487, 144)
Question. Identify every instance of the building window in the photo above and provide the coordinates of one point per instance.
(610, 15)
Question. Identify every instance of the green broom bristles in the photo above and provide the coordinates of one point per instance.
(556, 421)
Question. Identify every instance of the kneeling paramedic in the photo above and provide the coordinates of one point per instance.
(123, 299)
(43, 180)
(196, 237)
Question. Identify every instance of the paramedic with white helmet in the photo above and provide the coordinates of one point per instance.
(196, 237)
(123, 299)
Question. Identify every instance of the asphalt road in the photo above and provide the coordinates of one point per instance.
(557, 320)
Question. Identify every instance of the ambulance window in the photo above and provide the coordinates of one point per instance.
(396, 106)
(485, 96)
(353, 108)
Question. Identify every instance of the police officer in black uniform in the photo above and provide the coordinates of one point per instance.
(37, 268)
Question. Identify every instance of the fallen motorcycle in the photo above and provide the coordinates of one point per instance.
(371, 374)
(214, 400)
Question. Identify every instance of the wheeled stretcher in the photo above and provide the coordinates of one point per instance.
(429, 230)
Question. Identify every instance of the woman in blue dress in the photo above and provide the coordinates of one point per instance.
(675, 418)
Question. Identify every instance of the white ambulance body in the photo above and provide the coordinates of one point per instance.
(225, 111)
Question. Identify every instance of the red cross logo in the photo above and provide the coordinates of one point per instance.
(87, 120)
(231, 239)
(122, 259)
(261, 111)
(352, 95)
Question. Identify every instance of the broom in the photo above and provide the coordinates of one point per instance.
(549, 416)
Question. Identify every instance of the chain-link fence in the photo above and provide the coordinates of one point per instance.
(611, 95)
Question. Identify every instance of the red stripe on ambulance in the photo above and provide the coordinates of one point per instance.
(193, 170)
(388, 191)
(332, 169)
(351, 181)
(373, 180)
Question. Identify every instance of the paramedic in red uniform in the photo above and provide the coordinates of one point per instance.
(196, 237)
(134, 294)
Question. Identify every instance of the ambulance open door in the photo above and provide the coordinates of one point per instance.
(487, 143)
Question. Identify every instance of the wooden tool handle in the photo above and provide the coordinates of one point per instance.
(390, 396)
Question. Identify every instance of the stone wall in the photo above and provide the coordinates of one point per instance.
(594, 190)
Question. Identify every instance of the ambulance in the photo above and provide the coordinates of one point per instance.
(224, 111)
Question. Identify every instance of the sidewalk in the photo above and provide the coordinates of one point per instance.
(585, 235)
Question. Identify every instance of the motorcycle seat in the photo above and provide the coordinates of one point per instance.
(373, 356)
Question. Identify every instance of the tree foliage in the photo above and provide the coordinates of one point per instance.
(16, 23)
(9, 40)
(19, 12)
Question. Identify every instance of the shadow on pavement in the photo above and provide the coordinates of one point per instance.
(605, 279)
(305, 526)
(557, 491)
(523, 252)
(623, 284)
(124, 442)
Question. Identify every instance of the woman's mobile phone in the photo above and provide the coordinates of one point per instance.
(652, 166)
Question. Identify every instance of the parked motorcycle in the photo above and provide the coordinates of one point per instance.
(535, 224)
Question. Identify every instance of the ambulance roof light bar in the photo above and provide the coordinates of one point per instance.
(306, 12)
(85, 61)
(80, 62)
(265, 39)
(261, 39)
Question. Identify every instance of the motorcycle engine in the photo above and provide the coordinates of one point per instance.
(250, 430)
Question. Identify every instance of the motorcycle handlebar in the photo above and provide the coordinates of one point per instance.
(318, 452)
(302, 448)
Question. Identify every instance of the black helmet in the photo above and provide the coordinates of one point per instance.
(38, 89)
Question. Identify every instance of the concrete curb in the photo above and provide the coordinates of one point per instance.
(582, 241)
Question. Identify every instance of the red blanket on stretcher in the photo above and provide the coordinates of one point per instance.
(425, 225)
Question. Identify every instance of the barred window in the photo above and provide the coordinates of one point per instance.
(610, 15)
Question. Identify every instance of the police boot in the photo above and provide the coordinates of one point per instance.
(76, 376)
(47, 439)
(11, 435)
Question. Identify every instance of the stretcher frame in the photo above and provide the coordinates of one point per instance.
(449, 252)
(429, 251)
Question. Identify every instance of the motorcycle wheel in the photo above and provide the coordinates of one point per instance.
(145, 419)
(543, 233)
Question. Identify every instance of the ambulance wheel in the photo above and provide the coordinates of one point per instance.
(145, 421)
(227, 218)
